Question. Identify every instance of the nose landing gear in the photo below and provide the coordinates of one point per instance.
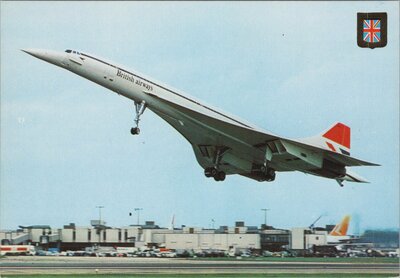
(135, 131)
(139, 108)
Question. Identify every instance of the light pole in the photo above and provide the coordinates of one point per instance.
(138, 214)
(99, 226)
(213, 222)
(265, 216)
(99, 207)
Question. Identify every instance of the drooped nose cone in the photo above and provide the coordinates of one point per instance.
(38, 53)
(50, 56)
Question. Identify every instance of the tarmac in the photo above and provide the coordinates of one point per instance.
(111, 265)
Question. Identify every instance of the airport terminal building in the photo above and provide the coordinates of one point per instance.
(72, 237)
(238, 237)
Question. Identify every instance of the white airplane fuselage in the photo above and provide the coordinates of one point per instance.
(136, 86)
(219, 140)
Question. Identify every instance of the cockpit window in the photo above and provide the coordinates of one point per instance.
(73, 51)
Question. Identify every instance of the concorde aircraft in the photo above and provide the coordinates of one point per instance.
(223, 144)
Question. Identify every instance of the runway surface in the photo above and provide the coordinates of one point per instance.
(58, 265)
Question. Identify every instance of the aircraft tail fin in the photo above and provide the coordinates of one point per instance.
(341, 228)
(336, 139)
(339, 134)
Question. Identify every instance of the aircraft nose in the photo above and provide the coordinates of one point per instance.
(50, 56)
(38, 53)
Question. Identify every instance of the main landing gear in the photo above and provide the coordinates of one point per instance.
(139, 108)
(262, 173)
(215, 172)
(269, 173)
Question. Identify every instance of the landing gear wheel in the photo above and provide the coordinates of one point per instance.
(270, 175)
(221, 175)
(213, 172)
(210, 172)
(271, 172)
(135, 130)
(207, 172)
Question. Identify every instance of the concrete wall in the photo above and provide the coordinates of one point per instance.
(302, 238)
(130, 232)
(315, 239)
(158, 236)
(297, 241)
(112, 235)
(36, 234)
(237, 230)
(188, 230)
(182, 241)
(212, 241)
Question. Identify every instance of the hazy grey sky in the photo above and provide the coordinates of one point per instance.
(292, 68)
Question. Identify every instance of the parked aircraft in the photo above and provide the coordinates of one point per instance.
(341, 228)
(339, 233)
(223, 144)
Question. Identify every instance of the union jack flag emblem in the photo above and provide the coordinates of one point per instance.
(372, 30)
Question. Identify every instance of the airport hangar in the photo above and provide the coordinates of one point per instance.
(225, 238)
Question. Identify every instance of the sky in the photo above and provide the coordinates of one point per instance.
(293, 68)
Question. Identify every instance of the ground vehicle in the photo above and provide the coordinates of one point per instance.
(325, 251)
(17, 250)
